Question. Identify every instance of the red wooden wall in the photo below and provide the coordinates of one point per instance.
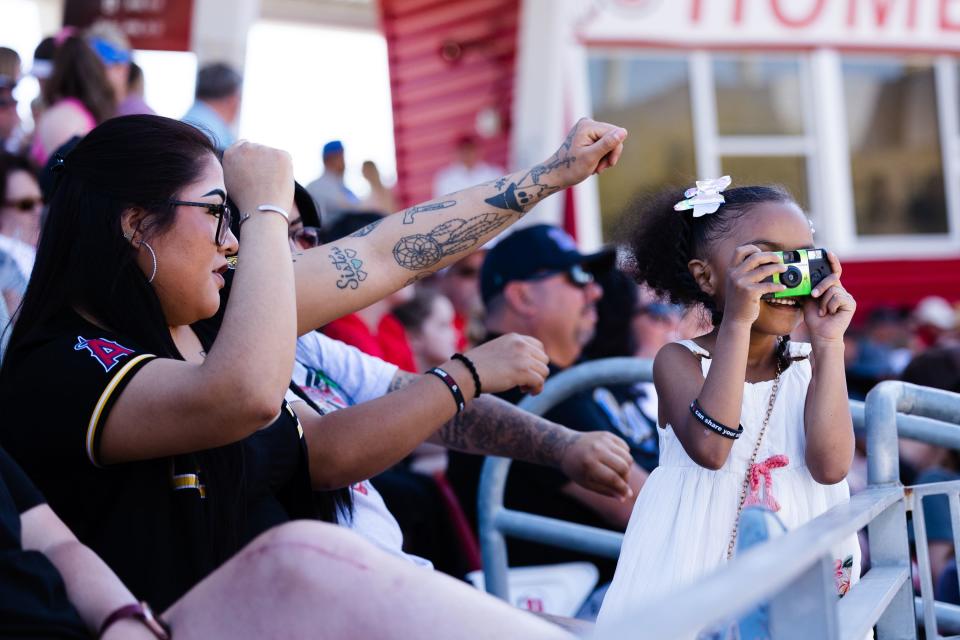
(449, 60)
(900, 283)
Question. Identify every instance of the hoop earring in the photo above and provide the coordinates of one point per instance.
(153, 255)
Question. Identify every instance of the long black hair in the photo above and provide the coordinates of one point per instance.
(662, 241)
(83, 260)
(85, 263)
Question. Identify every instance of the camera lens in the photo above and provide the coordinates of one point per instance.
(791, 277)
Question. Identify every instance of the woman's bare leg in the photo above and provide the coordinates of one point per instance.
(314, 580)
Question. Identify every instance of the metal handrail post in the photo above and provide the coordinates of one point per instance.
(889, 546)
(493, 477)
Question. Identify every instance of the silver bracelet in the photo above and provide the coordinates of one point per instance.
(266, 208)
(275, 209)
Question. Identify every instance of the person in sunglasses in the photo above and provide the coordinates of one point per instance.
(535, 282)
(151, 445)
(9, 118)
(21, 205)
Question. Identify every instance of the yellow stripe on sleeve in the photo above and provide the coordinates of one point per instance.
(94, 423)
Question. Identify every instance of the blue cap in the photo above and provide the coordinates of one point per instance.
(109, 53)
(332, 147)
(533, 250)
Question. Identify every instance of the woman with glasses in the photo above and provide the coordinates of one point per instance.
(166, 399)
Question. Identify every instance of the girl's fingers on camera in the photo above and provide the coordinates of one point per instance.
(834, 263)
(830, 281)
(765, 271)
(763, 288)
(743, 252)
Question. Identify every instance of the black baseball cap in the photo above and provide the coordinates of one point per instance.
(531, 251)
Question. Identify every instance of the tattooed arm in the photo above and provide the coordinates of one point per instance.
(599, 461)
(351, 273)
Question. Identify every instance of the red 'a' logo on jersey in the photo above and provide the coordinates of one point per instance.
(106, 352)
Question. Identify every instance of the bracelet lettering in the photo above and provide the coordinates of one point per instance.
(468, 363)
(451, 385)
(712, 424)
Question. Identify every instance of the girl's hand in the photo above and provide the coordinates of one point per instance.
(744, 288)
(829, 308)
(512, 360)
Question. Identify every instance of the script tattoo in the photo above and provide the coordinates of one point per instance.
(365, 231)
(349, 266)
(411, 213)
(423, 250)
(519, 196)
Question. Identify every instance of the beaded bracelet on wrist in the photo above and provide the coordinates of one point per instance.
(468, 363)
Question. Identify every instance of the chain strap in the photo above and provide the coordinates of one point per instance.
(753, 460)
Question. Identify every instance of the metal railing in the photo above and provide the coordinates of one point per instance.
(495, 521)
(798, 597)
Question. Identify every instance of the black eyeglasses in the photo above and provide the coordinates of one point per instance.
(576, 275)
(221, 211)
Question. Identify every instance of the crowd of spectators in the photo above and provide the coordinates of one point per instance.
(362, 435)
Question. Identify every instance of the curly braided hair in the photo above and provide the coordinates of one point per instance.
(660, 243)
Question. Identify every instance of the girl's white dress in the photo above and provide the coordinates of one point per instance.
(681, 523)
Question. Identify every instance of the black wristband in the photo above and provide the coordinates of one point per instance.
(712, 424)
(468, 363)
(452, 385)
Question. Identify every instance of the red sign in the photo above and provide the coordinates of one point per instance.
(162, 25)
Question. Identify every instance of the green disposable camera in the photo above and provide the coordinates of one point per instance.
(806, 268)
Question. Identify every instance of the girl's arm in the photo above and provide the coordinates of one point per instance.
(829, 427)
(351, 273)
(677, 373)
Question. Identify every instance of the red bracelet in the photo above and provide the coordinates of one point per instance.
(142, 612)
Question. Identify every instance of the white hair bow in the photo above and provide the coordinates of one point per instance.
(704, 198)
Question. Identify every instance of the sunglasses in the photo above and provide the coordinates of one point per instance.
(575, 274)
(306, 237)
(221, 211)
(25, 204)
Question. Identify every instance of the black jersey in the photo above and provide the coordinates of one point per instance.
(154, 522)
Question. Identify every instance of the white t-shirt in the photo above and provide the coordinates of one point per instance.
(335, 376)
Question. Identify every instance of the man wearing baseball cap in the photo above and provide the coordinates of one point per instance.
(535, 282)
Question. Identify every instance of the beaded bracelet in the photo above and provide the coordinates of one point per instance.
(712, 424)
(468, 363)
(452, 385)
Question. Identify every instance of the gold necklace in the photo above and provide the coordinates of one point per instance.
(753, 460)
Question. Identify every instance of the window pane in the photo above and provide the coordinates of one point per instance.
(787, 171)
(650, 96)
(894, 146)
(758, 94)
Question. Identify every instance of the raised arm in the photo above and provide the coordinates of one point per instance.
(826, 414)
(351, 273)
(173, 406)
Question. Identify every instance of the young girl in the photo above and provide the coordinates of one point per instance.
(787, 439)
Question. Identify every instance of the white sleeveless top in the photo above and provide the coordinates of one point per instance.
(683, 518)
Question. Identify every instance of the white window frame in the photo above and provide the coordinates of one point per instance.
(825, 145)
(917, 245)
